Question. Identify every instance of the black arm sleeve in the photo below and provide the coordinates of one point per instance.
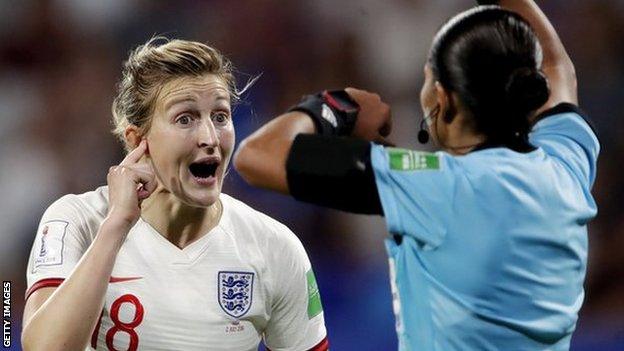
(333, 172)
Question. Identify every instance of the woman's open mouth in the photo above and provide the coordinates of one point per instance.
(204, 171)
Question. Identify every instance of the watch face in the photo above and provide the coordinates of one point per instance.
(340, 100)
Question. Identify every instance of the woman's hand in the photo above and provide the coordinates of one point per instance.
(129, 183)
(374, 122)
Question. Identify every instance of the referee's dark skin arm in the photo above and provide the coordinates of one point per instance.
(261, 157)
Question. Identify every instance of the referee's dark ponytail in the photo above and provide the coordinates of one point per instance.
(491, 58)
(526, 90)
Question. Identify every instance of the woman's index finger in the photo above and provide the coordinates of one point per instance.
(135, 155)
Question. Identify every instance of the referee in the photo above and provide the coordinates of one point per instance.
(488, 237)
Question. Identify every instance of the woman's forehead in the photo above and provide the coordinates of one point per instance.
(193, 88)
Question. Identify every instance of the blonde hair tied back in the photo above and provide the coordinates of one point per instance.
(157, 62)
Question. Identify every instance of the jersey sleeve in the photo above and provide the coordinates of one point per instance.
(58, 246)
(416, 190)
(297, 322)
(565, 133)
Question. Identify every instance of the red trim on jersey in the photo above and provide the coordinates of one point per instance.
(323, 345)
(44, 283)
(55, 282)
(122, 279)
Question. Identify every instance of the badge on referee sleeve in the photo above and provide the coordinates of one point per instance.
(410, 160)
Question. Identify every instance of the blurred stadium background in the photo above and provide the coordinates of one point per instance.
(59, 61)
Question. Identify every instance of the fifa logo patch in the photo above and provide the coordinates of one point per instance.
(235, 292)
(49, 250)
(409, 160)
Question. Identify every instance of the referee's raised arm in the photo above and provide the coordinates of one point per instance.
(557, 65)
(261, 158)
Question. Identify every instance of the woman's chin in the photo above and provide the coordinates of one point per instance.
(203, 198)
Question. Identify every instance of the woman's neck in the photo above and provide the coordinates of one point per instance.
(461, 137)
(463, 146)
(178, 222)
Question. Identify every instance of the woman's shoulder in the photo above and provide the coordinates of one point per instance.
(80, 208)
(81, 213)
(498, 160)
(255, 230)
(241, 212)
(501, 169)
(240, 217)
(94, 201)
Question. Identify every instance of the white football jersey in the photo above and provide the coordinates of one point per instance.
(249, 278)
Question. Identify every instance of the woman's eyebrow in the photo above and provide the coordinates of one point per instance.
(223, 96)
(174, 101)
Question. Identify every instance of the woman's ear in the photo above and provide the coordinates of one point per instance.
(445, 101)
(133, 136)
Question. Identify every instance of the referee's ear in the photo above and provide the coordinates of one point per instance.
(444, 100)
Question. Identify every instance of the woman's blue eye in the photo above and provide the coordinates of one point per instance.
(220, 118)
(184, 120)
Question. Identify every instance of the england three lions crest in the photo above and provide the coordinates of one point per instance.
(235, 292)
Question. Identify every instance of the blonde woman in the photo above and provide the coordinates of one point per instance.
(160, 259)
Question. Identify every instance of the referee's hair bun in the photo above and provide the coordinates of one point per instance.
(527, 89)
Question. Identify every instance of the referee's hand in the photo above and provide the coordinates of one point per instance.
(374, 121)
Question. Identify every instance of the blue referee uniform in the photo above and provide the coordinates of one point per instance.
(489, 250)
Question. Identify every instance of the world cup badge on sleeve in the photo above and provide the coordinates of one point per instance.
(235, 292)
(49, 250)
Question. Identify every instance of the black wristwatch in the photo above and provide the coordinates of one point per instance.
(334, 112)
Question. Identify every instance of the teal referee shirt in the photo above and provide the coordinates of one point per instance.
(489, 250)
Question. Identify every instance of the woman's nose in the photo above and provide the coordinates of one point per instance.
(207, 135)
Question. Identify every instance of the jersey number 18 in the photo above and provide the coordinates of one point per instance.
(119, 326)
